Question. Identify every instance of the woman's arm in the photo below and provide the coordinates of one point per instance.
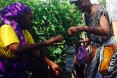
(17, 48)
(54, 66)
(102, 30)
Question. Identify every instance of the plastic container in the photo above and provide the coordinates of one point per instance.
(70, 58)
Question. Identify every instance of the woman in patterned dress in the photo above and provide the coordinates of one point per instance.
(100, 37)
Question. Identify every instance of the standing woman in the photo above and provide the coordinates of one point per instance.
(100, 37)
(20, 57)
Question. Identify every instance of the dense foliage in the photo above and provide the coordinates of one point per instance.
(52, 18)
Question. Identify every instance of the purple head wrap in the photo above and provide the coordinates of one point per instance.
(10, 15)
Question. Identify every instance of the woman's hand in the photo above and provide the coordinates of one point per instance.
(56, 69)
(55, 39)
(75, 29)
(72, 30)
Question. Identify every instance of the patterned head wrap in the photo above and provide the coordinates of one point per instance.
(11, 14)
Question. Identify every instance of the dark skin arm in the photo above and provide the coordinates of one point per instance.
(54, 66)
(102, 30)
(17, 48)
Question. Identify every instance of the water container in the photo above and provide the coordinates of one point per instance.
(70, 58)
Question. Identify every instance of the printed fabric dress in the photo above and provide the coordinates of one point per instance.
(102, 44)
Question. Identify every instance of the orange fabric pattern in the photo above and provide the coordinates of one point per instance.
(108, 52)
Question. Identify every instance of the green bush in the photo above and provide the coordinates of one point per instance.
(54, 18)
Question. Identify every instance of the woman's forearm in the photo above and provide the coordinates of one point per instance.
(93, 30)
(17, 48)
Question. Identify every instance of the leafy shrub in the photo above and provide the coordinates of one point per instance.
(54, 18)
